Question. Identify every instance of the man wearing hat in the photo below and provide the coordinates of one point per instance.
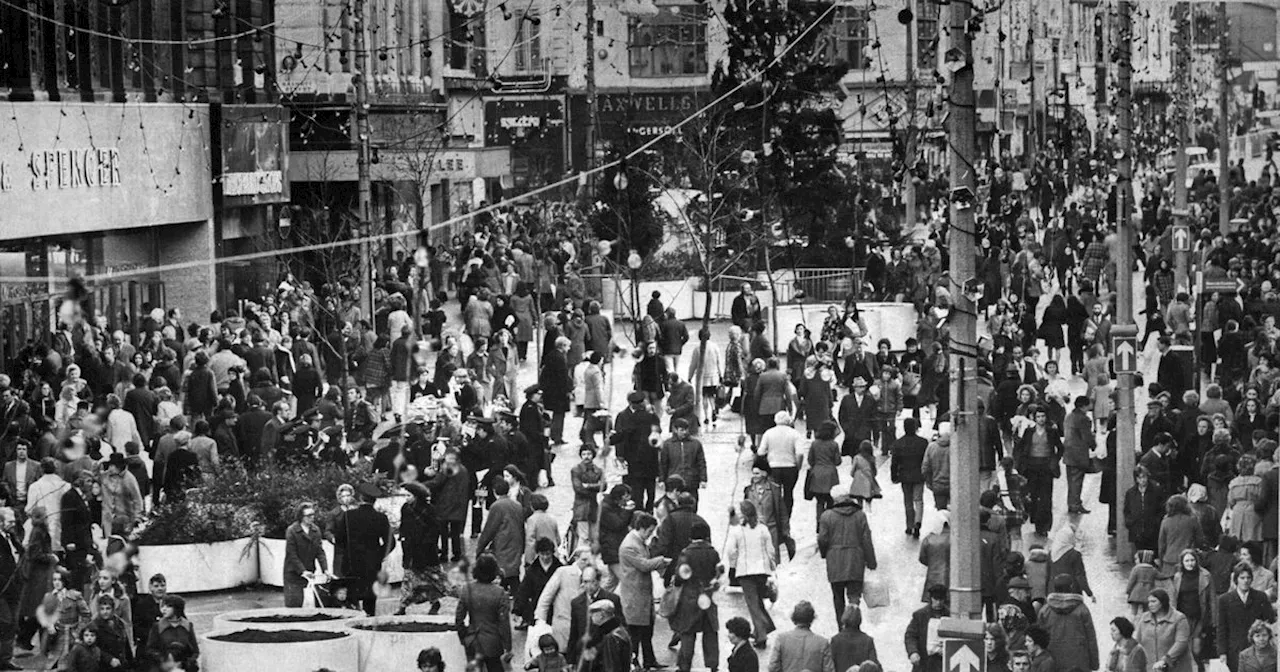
(363, 537)
(536, 427)
(857, 416)
(924, 653)
(1156, 422)
(632, 430)
(608, 646)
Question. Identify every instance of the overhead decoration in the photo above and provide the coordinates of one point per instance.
(468, 7)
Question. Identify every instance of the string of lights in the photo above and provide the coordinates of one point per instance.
(515, 200)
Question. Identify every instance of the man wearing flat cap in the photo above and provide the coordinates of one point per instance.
(607, 647)
(632, 430)
(363, 537)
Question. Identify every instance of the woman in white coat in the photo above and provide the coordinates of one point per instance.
(557, 596)
(709, 361)
(751, 555)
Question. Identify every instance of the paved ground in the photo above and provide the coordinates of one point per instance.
(802, 578)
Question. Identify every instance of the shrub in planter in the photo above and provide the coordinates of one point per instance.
(193, 522)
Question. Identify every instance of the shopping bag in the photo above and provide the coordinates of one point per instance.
(670, 601)
(876, 592)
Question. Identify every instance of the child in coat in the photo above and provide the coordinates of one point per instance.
(550, 660)
(1103, 404)
(1142, 579)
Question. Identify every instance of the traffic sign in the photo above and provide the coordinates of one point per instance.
(1222, 285)
(1181, 238)
(1126, 348)
(963, 655)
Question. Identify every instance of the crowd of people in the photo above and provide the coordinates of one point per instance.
(102, 426)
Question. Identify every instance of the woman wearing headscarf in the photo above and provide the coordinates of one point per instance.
(735, 363)
(1165, 635)
(752, 421)
(1065, 558)
(1209, 517)
(935, 551)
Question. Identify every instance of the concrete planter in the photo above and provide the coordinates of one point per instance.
(271, 561)
(339, 654)
(199, 568)
(391, 642)
(328, 620)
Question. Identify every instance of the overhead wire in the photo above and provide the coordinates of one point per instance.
(395, 235)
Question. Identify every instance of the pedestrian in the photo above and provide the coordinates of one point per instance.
(864, 487)
(1040, 657)
(503, 534)
(608, 647)
(1193, 598)
(303, 555)
(1142, 579)
(824, 461)
(858, 415)
(752, 556)
(683, 456)
(1179, 530)
(698, 578)
(676, 531)
(634, 434)
(844, 542)
(1038, 455)
(419, 533)
(780, 446)
(1064, 616)
(1261, 654)
(924, 648)
(935, 552)
(800, 649)
(556, 381)
(935, 468)
(905, 468)
(363, 537)
(1065, 558)
(851, 646)
(1237, 611)
(635, 585)
(742, 658)
(588, 482)
(1143, 505)
(1165, 635)
(537, 574)
(1244, 494)
(707, 371)
(995, 648)
(1078, 442)
(1127, 655)
(616, 511)
(483, 617)
(451, 489)
(766, 495)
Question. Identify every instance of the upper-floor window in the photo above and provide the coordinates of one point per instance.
(466, 42)
(528, 47)
(851, 36)
(672, 43)
(927, 15)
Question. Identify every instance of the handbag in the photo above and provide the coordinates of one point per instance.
(670, 601)
(808, 481)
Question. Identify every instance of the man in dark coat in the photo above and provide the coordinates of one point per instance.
(249, 429)
(1143, 510)
(202, 388)
(676, 531)
(1266, 508)
(1170, 374)
(363, 537)
(77, 529)
(599, 331)
(672, 335)
(580, 616)
(1238, 609)
(608, 646)
(143, 404)
(10, 588)
(908, 454)
(691, 619)
(844, 542)
(631, 431)
(488, 634)
(745, 310)
(307, 384)
(916, 638)
(557, 387)
(536, 430)
(743, 658)
(857, 415)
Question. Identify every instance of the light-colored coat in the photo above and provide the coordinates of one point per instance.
(749, 551)
(47, 492)
(712, 366)
(635, 579)
(1168, 638)
(800, 650)
(556, 602)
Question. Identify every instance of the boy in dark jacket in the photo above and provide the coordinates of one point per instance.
(111, 633)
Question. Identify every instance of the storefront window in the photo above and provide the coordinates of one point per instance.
(466, 43)
(927, 34)
(672, 43)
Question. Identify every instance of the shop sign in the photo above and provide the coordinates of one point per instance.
(253, 184)
(115, 168)
(453, 166)
(254, 156)
(523, 119)
(649, 106)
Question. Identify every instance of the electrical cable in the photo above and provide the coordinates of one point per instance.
(395, 235)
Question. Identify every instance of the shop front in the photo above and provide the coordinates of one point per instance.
(252, 195)
(533, 126)
(108, 193)
(630, 118)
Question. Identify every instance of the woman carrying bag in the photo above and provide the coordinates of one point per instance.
(751, 554)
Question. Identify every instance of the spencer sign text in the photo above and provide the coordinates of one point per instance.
(75, 168)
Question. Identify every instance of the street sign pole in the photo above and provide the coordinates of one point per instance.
(962, 646)
(1125, 338)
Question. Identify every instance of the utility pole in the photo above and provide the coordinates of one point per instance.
(1125, 228)
(1033, 125)
(590, 127)
(1182, 117)
(361, 83)
(1224, 123)
(966, 567)
(908, 161)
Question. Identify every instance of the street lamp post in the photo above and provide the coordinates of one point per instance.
(634, 262)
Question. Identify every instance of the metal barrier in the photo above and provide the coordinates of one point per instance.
(824, 284)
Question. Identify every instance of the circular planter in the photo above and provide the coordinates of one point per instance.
(327, 620)
(393, 642)
(302, 649)
(271, 560)
(198, 568)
